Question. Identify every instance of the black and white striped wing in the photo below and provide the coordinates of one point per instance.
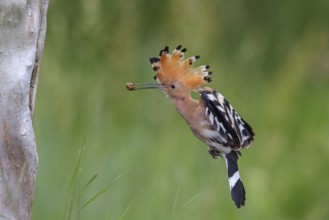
(229, 124)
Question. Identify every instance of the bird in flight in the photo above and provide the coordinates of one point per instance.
(211, 118)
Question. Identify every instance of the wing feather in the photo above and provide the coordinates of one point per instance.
(226, 120)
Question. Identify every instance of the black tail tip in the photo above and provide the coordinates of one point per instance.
(238, 194)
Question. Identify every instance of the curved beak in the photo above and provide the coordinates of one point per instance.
(137, 86)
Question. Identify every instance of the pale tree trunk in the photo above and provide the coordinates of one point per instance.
(22, 36)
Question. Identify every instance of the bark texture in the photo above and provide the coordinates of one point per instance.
(22, 36)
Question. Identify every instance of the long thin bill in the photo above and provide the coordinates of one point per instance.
(137, 86)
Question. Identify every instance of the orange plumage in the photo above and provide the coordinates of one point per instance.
(173, 68)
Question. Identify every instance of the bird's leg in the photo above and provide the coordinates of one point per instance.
(214, 152)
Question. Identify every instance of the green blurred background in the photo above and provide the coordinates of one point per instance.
(269, 58)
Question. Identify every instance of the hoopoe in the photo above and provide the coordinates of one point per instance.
(212, 119)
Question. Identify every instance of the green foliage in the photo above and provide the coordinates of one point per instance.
(270, 59)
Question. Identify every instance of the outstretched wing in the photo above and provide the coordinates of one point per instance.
(226, 120)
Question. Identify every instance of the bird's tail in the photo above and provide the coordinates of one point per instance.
(236, 186)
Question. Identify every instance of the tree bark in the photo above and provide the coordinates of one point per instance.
(22, 36)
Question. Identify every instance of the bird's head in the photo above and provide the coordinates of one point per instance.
(175, 75)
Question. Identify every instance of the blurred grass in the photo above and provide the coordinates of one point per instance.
(270, 59)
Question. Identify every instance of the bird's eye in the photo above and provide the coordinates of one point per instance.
(173, 86)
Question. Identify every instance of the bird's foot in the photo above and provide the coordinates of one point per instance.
(214, 152)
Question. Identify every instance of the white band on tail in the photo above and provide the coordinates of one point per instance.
(234, 179)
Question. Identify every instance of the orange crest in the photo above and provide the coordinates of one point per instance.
(171, 68)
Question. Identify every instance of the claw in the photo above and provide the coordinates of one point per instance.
(214, 152)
